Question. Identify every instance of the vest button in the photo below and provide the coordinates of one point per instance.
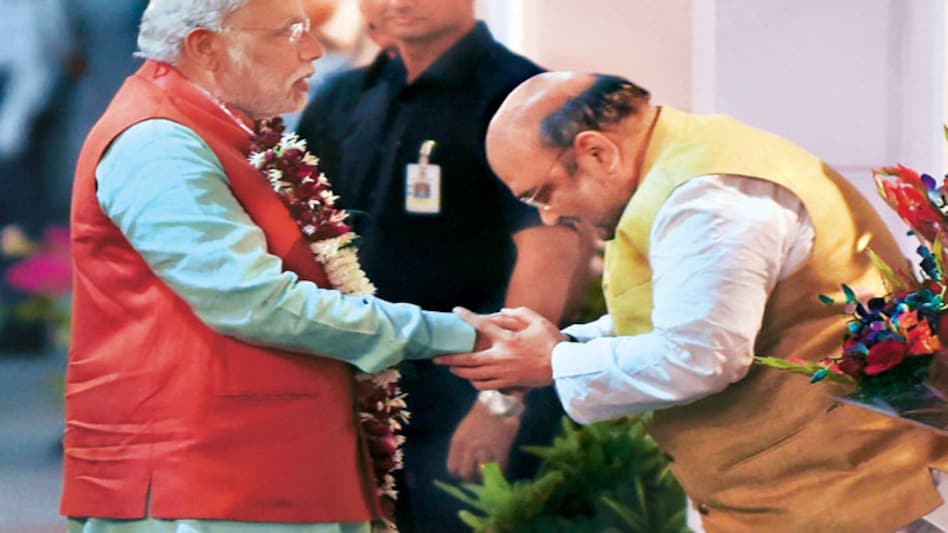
(703, 509)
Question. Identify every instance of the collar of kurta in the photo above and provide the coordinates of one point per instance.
(187, 95)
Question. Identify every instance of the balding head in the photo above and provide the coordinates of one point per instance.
(562, 119)
(515, 130)
(550, 109)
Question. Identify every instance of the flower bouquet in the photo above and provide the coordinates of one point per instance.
(895, 345)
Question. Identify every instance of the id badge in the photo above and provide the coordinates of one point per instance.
(423, 189)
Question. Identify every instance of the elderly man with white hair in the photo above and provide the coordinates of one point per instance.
(210, 384)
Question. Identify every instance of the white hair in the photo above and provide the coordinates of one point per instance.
(166, 23)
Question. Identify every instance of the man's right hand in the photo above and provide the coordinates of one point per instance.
(489, 326)
(519, 354)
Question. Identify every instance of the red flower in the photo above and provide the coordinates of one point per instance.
(329, 231)
(920, 339)
(915, 209)
(884, 356)
(903, 190)
(905, 175)
(384, 446)
(383, 464)
(388, 509)
(852, 366)
(375, 428)
(943, 329)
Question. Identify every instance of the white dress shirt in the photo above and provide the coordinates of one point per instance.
(719, 245)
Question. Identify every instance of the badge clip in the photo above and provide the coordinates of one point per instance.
(424, 153)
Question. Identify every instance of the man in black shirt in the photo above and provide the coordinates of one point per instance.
(403, 143)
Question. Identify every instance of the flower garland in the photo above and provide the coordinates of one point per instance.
(291, 170)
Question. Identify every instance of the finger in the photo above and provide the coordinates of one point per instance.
(480, 322)
(455, 457)
(508, 321)
(467, 468)
(461, 359)
(516, 391)
(472, 472)
(478, 373)
(492, 384)
(525, 314)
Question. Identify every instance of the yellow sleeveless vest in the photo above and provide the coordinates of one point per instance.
(765, 454)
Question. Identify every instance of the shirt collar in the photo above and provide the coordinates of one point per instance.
(453, 68)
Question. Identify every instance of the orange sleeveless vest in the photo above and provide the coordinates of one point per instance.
(162, 409)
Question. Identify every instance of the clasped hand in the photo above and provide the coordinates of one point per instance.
(513, 350)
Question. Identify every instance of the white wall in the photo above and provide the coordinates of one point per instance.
(857, 82)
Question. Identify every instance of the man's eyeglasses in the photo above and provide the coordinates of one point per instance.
(539, 196)
(294, 32)
(536, 197)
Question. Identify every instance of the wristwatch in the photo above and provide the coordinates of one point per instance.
(500, 404)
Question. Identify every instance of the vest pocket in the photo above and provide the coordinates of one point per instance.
(772, 449)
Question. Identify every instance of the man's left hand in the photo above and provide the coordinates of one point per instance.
(479, 439)
(515, 359)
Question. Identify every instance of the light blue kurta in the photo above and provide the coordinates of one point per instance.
(166, 190)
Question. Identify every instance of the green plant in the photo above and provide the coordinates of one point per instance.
(606, 476)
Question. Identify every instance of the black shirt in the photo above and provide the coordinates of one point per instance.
(367, 125)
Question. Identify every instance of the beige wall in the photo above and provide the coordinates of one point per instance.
(647, 41)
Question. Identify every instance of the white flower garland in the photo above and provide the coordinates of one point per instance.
(283, 159)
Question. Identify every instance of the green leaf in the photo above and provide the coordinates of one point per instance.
(473, 488)
(543, 452)
(802, 368)
(494, 477)
(640, 493)
(477, 523)
(850, 295)
(676, 522)
(937, 249)
(459, 494)
(827, 300)
(629, 517)
(894, 280)
(784, 364)
(819, 375)
(613, 459)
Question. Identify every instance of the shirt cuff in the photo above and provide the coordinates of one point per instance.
(449, 334)
(590, 330)
(570, 360)
(577, 359)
